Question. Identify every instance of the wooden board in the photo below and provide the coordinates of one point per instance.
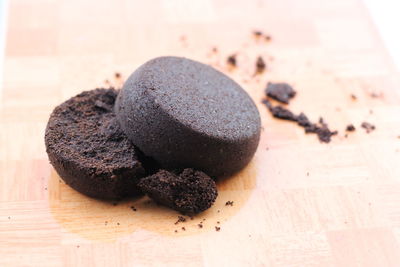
(299, 202)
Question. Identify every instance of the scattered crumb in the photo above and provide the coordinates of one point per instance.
(200, 225)
(231, 60)
(45, 188)
(9, 217)
(105, 223)
(229, 203)
(214, 49)
(217, 228)
(107, 82)
(183, 228)
(218, 211)
(78, 246)
(268, 37)
(176, 231)
(267, 148)
(354, 97)
(350, 128)
(218, 222)
(321, 130)
(260, 65)
(368, 126)
(346, 135)
(117, 223)
(133, 208)
(115, 203)
(308, 174)
(117, 75)
(257, 34)
(376, 95)
(281, 92)
(180, 219)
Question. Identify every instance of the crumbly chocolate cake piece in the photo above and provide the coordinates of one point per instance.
(185, 114)
(190, 192)
(89, 151)
(281, 92)
(321, 129)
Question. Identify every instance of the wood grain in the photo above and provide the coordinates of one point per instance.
(299, 202)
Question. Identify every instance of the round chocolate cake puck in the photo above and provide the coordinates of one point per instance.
(89, 151)
(185, 114)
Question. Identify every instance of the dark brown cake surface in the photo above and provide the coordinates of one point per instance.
(187, 114)
(190, 192)
(87, 148)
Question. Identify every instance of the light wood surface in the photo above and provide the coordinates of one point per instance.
(299, 202)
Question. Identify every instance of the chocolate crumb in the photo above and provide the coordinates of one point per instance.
(354, 97)
(257, 33)
(268, 37)
(260, 65)
(350, 128)
(217, 228)
(218, 222)
(231, 60)
(218, 211)
(281, 92)
(180, 219)
(376, 95)
(368, 126)
(280, 112)
(183, 228)
(200, 225)
(229, 203)
(176, 231)
(322, 130)
(133, 208)
(117, 223)
(117, 75)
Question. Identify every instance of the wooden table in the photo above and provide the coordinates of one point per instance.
(299, 202)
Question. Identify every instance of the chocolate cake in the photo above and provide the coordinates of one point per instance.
(185, 114)
(190, 192)
(89, 151)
